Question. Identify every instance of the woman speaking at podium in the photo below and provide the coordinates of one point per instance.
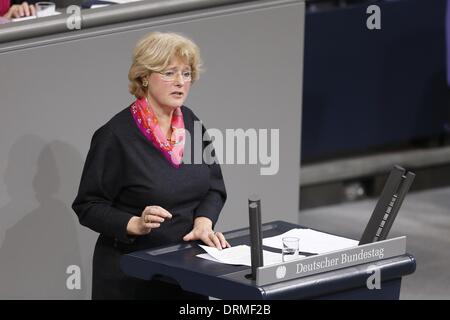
(135, 190)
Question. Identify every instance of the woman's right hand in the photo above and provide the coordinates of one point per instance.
(151, 218)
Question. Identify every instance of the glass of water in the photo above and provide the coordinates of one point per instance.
(290, 248)
(45, 9)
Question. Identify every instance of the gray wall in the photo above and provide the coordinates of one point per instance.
(56, 91)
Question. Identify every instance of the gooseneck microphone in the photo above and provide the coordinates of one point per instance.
(254, 215)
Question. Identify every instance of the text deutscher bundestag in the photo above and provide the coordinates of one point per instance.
(342, 259)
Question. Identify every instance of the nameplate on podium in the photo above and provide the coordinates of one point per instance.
(330, 261)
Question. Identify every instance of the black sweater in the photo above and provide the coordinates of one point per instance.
(124, 173)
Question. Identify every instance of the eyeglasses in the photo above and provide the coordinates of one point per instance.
(171, 75)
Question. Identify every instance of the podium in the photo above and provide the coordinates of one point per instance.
(178, 263)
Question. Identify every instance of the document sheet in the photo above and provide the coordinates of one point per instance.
(312, 241)
(238, 255)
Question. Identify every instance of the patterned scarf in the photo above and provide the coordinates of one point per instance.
(147, 122)
(4, 6)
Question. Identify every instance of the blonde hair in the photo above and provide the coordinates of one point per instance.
(153, 54)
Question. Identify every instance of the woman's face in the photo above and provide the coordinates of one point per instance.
(170, 87)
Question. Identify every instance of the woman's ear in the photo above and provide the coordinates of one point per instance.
(144, 81)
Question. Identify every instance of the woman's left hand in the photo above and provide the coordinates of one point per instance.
(20, 10)
(203, 231)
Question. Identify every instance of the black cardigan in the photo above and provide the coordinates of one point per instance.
(124, 173)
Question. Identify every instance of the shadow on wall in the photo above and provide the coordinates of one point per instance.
(38, 240)
(416, 94)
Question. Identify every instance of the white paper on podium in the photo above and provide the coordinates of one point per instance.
(312, 241)
(238, 255)
(123, 1)
(55, 13)
(96, 6)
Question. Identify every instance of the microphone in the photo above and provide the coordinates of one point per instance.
(254, 214)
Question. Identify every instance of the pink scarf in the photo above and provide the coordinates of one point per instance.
(4, 7)
(147, 122)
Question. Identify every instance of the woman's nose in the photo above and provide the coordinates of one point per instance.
(179, 79)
